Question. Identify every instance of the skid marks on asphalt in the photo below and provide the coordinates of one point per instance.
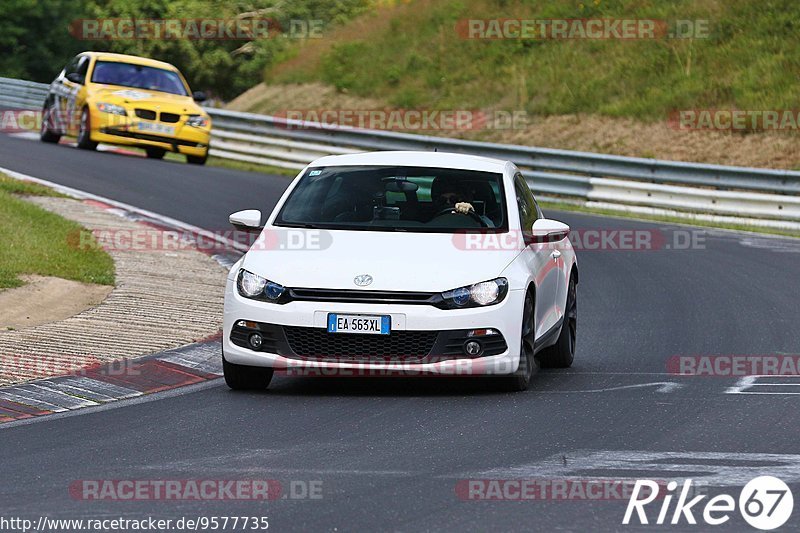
(570, 382)
(712, 469)
(788, 385)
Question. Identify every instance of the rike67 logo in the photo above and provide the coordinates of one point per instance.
(765, 503)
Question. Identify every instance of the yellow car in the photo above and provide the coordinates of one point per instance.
(126, 100)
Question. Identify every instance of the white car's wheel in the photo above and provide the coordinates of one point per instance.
(562, 353)
(241, 377)
(521, 379)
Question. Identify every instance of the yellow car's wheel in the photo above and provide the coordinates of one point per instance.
(85, 132)
(45, 134)
(197, 159)
(155, 153)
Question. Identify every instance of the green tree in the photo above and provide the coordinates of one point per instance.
(35, 42)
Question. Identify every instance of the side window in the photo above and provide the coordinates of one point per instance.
(83, 66)
(72, 66)
(539, 213)
(528, 210)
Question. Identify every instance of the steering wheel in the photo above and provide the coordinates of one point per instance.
(470, 213)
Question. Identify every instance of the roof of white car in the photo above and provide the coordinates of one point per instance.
(414, 159)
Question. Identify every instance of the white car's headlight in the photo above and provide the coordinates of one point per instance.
(257, 288)
(114, 109)
(198, 121)
(476, 295)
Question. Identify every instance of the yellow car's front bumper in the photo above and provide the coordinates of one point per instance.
(176, 137)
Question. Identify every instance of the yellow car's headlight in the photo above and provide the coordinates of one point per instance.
(114, 109)
(198, 121)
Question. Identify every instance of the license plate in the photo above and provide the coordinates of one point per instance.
(156, 128)
(363, 324)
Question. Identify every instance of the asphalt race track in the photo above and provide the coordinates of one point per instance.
(391, 453)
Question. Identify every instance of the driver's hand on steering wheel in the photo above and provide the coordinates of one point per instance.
(464, 208)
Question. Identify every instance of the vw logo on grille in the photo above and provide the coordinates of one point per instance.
(362, 280)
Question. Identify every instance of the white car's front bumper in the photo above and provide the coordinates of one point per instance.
(505, 317)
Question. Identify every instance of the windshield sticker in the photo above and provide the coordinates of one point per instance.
(133, 95)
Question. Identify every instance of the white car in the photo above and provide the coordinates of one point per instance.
(402, 263)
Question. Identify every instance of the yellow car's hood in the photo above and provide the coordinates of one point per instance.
(130, 98)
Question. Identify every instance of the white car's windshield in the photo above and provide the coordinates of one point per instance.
(138, 76)
(415, 199)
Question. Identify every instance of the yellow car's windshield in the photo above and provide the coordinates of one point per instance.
(139, 77)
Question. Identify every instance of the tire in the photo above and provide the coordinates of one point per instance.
(562, 353)
(197, 159)
(155, 153)
(241, 377)
(45, 135)
(85, 141)
(521, 379)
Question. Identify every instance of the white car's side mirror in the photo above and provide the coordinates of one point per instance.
(247, 220)
(546, 230)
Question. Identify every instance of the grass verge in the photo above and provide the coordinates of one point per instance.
(36, 241)
(27, 188)
(736, 54)
(236, 165)
(251, 167)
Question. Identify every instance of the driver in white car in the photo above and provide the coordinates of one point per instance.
(448, 193)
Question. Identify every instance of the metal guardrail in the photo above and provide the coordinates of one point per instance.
(595, 178)
(762, 196)
(21, 94)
